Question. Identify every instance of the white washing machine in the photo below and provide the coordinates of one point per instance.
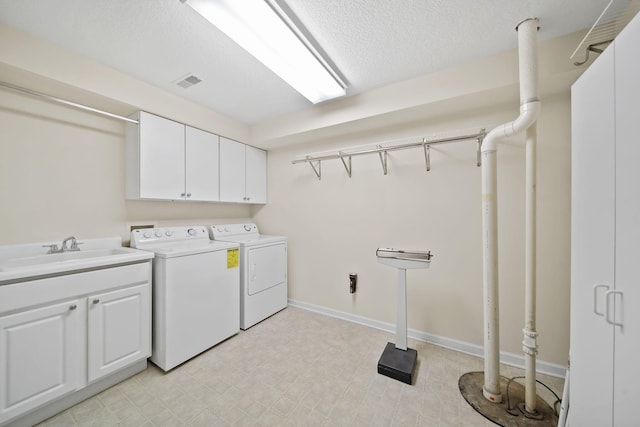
(196, 303)
(263, 270)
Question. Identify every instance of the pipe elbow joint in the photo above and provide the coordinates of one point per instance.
(529, 112)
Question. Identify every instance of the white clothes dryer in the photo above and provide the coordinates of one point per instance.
(263, 270)
(195, 291)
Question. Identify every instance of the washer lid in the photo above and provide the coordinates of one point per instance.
(255, 240)
(176, 249)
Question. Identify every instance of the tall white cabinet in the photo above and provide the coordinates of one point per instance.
(605, 237)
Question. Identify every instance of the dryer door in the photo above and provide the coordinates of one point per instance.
(266, 267)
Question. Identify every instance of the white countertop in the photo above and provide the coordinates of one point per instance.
(28, 261)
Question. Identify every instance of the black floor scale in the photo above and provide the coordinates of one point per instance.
(398, 361)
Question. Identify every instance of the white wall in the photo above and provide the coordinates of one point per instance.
(336, 224)
(62, 173)
(62, 169)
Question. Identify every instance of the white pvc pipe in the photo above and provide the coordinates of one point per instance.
(529, 345)
(491, 387)
(529, 110)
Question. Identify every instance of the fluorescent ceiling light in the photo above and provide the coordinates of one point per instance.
(262, 29)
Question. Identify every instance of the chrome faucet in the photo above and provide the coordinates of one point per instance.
(74, 245)
(53, 248)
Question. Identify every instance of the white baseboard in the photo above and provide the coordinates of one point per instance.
(450, 343)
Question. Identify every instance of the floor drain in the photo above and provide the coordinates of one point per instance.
(470, 385)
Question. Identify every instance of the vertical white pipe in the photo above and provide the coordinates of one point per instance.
(529, 345)
(491, 387)
(528, 67)
(401, 310)
(529, 109)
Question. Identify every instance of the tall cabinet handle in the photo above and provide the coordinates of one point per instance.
(607, 317)
(595, 298)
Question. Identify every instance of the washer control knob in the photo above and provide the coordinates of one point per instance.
(247, 228)
(191, 232)
(146, 234)
(168, 233)
(158, 233)
(226, 229)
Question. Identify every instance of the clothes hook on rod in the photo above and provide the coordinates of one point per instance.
(317, 169)
(348, 168)
(427, 154)
(383, 159)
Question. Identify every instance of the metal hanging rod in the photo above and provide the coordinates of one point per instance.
(65, 102)
(345, 156)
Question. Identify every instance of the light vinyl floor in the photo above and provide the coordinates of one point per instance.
(296, 368)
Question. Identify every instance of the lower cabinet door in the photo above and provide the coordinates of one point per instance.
(119, 329)
(39, 356)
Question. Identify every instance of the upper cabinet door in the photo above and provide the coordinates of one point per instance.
(161, 158)
(232, 171)
(202, 165)
(256, 176)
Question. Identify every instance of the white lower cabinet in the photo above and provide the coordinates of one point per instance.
(39, 356)
(99, 324)
(118, 325)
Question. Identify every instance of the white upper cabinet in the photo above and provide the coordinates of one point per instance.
(202, 154)
(256, 175)
(170, 161)
(232, 171)
(243, 173)
(155, 158)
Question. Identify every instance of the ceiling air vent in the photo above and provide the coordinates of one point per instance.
(188, 81)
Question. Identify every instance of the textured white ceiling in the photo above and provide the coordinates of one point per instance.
(372, 42)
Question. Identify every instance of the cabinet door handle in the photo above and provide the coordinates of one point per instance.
(188, 194)
(73, 307)
(96, 301)
(607, 317)
(595, 298)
